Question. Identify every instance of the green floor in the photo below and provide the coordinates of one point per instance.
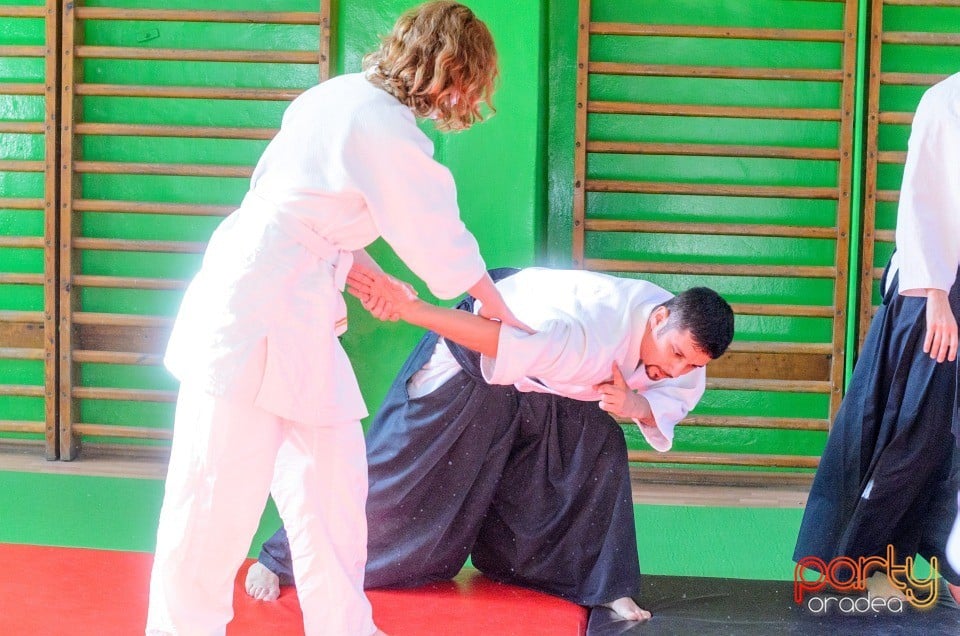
(121, 514)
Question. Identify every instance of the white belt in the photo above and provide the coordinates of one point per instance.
(308, 236)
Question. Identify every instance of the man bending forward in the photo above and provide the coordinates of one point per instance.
(499, 445)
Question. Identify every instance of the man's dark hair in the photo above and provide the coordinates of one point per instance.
(706, 314)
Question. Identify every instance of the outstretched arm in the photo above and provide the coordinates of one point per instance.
(394, 299)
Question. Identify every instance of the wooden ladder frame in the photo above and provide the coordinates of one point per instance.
(32, 335)
(740, 352)
(112, 338)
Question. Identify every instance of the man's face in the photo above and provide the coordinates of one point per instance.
(667, 352)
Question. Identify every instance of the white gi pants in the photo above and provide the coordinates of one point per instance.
(227, 456)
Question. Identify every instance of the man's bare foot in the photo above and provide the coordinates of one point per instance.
(879, 586)
(261, 583)
(627, 609)
(954, 592)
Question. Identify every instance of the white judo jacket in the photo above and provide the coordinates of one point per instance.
(585, 322)
(348, 165)
(928, 215)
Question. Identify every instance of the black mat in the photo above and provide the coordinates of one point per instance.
(693, 606)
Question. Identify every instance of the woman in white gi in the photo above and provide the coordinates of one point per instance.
(268, 401)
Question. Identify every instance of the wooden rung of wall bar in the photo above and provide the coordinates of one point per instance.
(922, 38)
(724, 459)
(120, 320)
(139, 245)
(716, 72)
(712, 229)
(176, 15)
(21, 426)
(206, 132)
(710, 269)
(22, 127)
(641, 475)
(21, 88)
(197, 55)
(697, 110)
(118, 282)
(117, 357)
(123, 395)
(21, 390)
(773, 346)
(21, 316)
(773, 309)
(168, 169)
(20, 353)
(150, 207)
(20, 165)
(891, 156)
(187, 92)
(736, 33)
(784, 386)
(731, 421)
(885, 236)
(912, 79)
(130, 432)
(736, 421)
(924, 3)
(18, 50)
(20, 241)
(895, 118)
(20, 279)
(22, 12)
(713, 150)
(21, 204)
(888, 196)
(712, 189)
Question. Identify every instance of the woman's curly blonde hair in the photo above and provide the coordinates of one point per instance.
(440, 61)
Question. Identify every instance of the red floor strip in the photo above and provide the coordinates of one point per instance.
(53, 591)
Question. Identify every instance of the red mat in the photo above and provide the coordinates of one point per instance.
(53, 591)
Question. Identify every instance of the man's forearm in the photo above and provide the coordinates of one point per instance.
(466, 329)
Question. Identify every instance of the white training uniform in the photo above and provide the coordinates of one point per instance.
(585, 322)
(268, 400)
(928, 216)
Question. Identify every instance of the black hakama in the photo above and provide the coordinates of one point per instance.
(889, 473)
(533, 487)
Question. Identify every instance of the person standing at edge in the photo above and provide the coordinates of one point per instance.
(268, 401)
(890, 471)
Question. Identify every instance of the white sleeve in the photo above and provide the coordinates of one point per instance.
(670, 403)
(557, 352)
(928, 217)
(412, 200)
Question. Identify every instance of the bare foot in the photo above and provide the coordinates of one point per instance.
(879, 586)
(261, 583)
(627, 609)
(954, 592)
